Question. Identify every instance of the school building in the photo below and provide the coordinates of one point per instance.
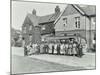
(75, 21)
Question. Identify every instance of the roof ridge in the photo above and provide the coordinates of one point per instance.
(46, 15)
(78, 8)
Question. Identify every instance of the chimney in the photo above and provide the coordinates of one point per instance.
(34, 12)
(57, 9)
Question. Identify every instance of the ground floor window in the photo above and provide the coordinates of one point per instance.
(30, 37)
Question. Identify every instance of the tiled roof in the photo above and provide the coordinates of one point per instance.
(41, 19)
(48, 18)
(88, 10)
(28, 19)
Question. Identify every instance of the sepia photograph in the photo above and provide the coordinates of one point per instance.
(52, 37)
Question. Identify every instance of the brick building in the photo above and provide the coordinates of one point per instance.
(36, 28)
(31, 29)
(74, 22)
(78, 21)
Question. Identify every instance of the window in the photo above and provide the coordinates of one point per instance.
(30, 37)
(24, 29)
(43, 27)
(42, 39)
(30, 27)
(64, 25)
(65, 34)
(77, 22)
(93, 20)
(65, 20)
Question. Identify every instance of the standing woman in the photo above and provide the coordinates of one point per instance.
(58, 49)
(80, 53)
(55, 47)
(52, 48)
(61, 47)
(74, 51)
(25, 51)
(80, 50)
(44, 49)
(38, 48)
(41, 48)
(70, 49)
(47, 48)
(66, 49)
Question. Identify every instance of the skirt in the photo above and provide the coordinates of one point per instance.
(70, 51)
(74, 51)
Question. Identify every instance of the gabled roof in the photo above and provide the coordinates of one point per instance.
(41, 19)
(28, 19)
(48, 18)
(88, 10)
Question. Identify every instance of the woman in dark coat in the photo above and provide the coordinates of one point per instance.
(58, 49)
(53, 49)
(70, 49)
(25, 51)
(80, 52)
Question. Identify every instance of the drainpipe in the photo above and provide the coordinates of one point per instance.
(90, 32)
(85, 30)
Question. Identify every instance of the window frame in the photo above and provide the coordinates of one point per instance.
(24, 29)
(30, 27)
(77, 22)
(43, 27)
(65, 19)
(93, 19)
(30, 37)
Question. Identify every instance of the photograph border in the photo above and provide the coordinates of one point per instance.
(11, 38)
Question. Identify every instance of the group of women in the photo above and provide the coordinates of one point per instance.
(71, 48)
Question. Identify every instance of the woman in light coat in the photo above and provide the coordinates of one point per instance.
(74, 50)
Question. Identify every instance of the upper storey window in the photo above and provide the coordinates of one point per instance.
(65, 21)
(30, 37)
(24, 29)
(77, 22)
(30, 27)
(93, 20)
(43, 27)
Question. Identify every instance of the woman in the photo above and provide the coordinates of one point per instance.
(62, 47)
(80, 52)
(74, 51)
(38, 49)
(29, 48)
(41, 48)
(47, 48)
(52, 48)
(55, 47)
(25, 51)
(70, 49)
(58, 49)
(66, 49)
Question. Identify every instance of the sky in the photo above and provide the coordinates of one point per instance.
(21, 9)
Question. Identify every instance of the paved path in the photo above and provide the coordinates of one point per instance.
(48, 63)
(21, 64)
(87, 61)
